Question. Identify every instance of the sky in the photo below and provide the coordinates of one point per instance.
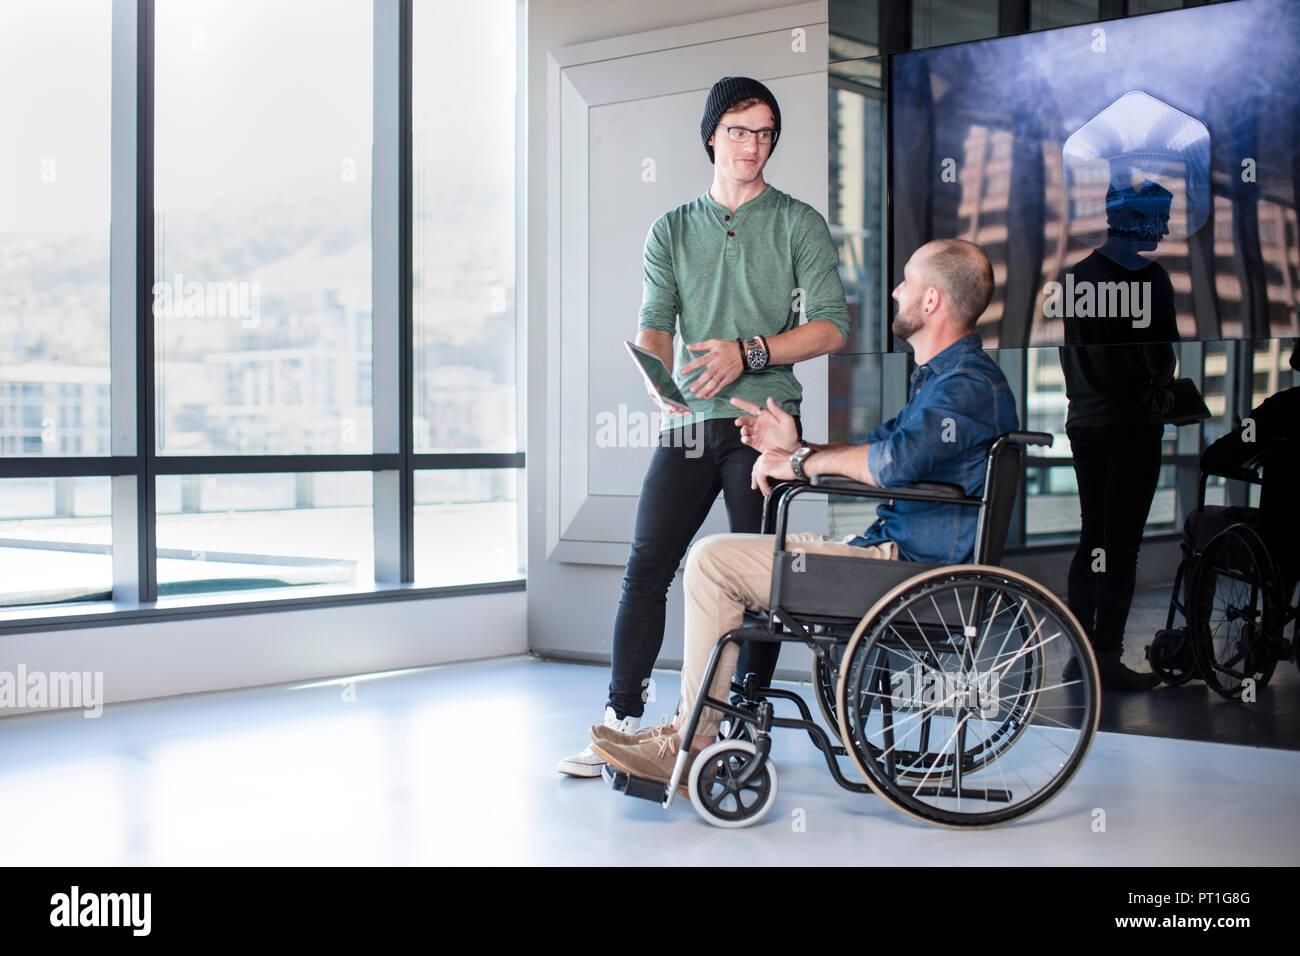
(252, 96)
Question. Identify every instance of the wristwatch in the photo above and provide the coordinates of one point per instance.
(756, 354)
(798, 458)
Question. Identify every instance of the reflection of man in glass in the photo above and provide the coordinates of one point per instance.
(1115, 363)
(1136, 221)
(747, 275)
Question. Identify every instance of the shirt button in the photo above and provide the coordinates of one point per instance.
(728, 218)
(730, 233)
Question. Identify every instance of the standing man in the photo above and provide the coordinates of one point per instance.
(747, 275)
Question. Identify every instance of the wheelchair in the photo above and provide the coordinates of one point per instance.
(1235, 600)
(942, 684)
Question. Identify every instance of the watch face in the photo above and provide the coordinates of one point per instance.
(757, 357)
(796, 461)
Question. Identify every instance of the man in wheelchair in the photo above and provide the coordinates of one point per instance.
(1235, 584)
(958, 403)
(1268, 436)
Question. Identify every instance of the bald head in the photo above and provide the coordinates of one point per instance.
(961, 272)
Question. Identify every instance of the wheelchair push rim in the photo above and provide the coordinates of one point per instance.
(826, 680)
(1015, 720)
(995, 731)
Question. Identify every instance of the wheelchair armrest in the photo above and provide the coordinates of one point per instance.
(1249, 474)
(1027, 438)
(835, 485)
(947, 489)
(917, 491)
(1238, 473)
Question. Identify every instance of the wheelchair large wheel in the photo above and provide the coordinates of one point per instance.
(952, 700)
(716, 791)
(1233, 612)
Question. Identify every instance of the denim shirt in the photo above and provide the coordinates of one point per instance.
(958, 402)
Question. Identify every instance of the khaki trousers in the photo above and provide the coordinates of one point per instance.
(725, 575)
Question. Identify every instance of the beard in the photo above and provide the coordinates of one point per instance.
(906, 324)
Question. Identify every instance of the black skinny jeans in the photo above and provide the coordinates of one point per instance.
(680, 487)
(1117, 468)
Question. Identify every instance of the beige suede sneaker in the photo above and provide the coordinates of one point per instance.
(651, 757)
(613, 735)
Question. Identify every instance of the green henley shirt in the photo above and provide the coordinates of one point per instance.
(714, 274)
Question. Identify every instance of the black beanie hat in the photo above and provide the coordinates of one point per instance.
(726, 93)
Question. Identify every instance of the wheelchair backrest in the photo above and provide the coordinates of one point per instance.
(1002, 470)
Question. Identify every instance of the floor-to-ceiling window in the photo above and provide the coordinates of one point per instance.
(257, 300)
(55, 539)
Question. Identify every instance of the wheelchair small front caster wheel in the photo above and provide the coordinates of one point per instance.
(1171, 656)
(718, 795)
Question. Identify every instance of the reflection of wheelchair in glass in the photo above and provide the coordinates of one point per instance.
(943, 684)
(1235, 600)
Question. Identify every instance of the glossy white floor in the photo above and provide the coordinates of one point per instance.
(454, 764)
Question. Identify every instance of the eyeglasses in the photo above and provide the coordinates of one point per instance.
(740, 134)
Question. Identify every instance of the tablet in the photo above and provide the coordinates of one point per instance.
(1188, 406)
(656, 374)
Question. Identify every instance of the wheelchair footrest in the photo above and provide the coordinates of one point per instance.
(634, 786)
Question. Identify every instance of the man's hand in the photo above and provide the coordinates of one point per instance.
(762, 429)
(665, 406)
(772, 464)
(722, 365)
